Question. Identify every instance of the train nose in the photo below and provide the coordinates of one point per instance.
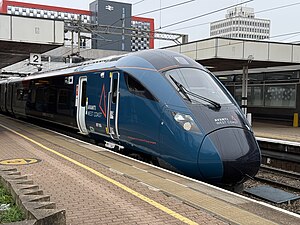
(229, 156)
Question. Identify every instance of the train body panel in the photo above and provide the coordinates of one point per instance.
(158, 103)
(9, 97)
(3, 85)
(48, 98)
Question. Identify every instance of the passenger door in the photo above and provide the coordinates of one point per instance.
(81, 103)
(113, 106)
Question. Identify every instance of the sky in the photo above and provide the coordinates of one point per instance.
(284, 18)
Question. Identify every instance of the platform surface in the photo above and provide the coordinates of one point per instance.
(275, 130)
(96, 186)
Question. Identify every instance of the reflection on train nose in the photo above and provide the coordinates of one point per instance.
(237, 152)
(241, 169)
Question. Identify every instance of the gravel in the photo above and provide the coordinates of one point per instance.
(293, 206)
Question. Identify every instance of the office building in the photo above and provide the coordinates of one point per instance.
(240, 22)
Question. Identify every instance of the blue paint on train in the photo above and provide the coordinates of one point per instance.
(157, 103)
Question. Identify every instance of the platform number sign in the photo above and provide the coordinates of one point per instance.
(35, 59)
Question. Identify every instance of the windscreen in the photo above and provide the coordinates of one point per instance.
(198, 82)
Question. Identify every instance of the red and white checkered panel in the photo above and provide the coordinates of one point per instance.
(140, 40)
(47, 14)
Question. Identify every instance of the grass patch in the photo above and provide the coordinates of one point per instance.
(13, 214)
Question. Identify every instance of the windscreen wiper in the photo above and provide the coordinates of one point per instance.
(215, 104)
(187, 92)
(181, 88)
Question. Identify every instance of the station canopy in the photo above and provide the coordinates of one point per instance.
(13, 52)
(20, 36)
(224, 54)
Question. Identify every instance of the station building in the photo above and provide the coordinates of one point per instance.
(102, 12)
(273, 93)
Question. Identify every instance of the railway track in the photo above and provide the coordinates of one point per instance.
(280, 154)
(290, 174)
(279, 178)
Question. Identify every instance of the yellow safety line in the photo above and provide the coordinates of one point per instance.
(118, 184)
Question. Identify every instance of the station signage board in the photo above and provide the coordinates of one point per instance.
(35, 59)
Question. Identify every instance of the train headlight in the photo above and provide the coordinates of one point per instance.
(187, 126)
(186, 121)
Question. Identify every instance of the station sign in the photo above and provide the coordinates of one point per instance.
(35, 59)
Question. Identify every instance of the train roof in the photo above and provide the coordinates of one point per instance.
(156, 60)
(161, 59)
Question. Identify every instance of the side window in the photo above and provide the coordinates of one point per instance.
(63, 102)
(22, 94)
(83, 97)
(136, 88)
(114, 90)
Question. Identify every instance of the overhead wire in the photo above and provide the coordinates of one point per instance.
(290, 37)
(138, 2)
(205, 14)
(182, 3)
(287, 34)
(196, 25)
(155, 10)
(179, 22)
(167, 7)
(257, 12)
(279, 7)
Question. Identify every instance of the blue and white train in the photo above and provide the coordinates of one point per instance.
(157, 103)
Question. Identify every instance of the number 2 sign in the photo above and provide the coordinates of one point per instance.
(35, 59)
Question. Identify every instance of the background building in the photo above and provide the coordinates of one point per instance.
(145, 41)
(113, 14)
(240, 22)
(102, 12)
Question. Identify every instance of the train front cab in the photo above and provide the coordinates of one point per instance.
(228, 151)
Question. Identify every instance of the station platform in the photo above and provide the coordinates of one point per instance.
(275, 130)
(97, 186)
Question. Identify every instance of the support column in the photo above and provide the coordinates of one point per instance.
(245, 90)
(79, 42)
(72, 42)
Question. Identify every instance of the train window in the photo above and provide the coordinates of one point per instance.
(20, 93)
(32, 96)
(136, 88)
(114, 90)
(199, 82)
(63, 102)
(39, 99)
(83, 94)
(50, 95)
